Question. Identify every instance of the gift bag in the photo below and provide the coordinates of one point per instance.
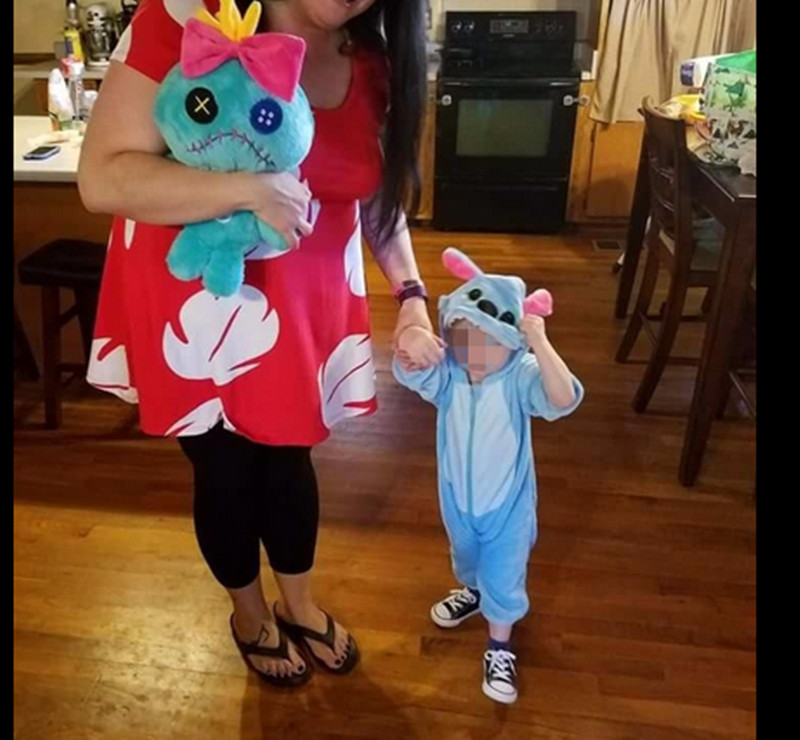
(729, 105)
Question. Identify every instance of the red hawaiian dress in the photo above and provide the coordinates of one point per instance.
(289, 356)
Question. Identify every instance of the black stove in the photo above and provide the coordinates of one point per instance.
(507, 95)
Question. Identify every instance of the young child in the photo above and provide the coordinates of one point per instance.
(486, 389)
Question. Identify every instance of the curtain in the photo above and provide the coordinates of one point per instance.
(647, 40)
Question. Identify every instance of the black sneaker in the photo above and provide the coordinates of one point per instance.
(500, 676)
(456, 608)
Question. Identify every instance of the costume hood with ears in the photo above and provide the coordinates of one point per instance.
(494, 303)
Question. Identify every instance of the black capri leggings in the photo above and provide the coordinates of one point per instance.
(246, 493)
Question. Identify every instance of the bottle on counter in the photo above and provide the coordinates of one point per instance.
(89, 99)
(77, 94)
(72, 31)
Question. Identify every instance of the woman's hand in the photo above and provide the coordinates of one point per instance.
(281, 201)
(418, 348)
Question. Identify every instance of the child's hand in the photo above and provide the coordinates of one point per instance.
(533, 327)
(418, 349)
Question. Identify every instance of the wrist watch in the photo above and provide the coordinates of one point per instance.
(411, 289)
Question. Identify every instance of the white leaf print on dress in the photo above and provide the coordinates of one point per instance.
(354, 263)
(225, 337)
(111, 373)
(123, 47)
(182, 10)
(264, 252)
(347, 380)
(198, 421)
(314, 209)
(130, 232)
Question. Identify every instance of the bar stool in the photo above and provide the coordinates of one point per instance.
(74, 265)
(24, 361)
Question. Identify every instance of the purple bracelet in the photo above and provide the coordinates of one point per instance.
(411, 289)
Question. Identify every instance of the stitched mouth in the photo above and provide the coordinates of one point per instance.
(199, 147)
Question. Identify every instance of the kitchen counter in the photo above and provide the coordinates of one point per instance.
(63, 167)
(47, 206)
(41, 71)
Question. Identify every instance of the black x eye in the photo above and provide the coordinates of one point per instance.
(474, 294)
(201, 105)
(508, 318)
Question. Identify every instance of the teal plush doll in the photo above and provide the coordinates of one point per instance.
(232, 104)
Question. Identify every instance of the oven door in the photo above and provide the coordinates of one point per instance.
(505, 129)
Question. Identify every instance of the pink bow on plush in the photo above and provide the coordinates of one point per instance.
(273, 60)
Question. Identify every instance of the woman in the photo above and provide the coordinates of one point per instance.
(249, 384)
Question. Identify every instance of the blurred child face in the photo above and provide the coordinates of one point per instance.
(476, 351)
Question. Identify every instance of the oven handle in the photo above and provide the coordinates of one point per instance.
(478, 84)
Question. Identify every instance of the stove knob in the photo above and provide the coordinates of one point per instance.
(456, 27)
(469, 26)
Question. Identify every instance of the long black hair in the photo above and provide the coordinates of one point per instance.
(396, 28)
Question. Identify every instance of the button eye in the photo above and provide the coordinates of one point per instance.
(475, 294)
(508, 318)
(201, 105)
(266, 116)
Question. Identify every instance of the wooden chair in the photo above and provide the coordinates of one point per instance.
(688, 249)
(63, 264)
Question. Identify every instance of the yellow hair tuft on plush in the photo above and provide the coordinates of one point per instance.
(229, 22)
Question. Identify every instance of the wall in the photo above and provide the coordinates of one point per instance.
(38, 24)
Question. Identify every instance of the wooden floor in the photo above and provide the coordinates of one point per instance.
(643, 593)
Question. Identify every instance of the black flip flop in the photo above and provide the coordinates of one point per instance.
(302, 635)
(281, 652)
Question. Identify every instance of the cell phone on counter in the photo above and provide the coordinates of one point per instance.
(41, 153)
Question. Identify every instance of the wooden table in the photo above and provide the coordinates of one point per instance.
(731, 198)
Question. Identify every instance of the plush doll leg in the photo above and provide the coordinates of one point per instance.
(189, 253)
(224, 273)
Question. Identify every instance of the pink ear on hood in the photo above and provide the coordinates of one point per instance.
(458, 264)
(538, 303)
